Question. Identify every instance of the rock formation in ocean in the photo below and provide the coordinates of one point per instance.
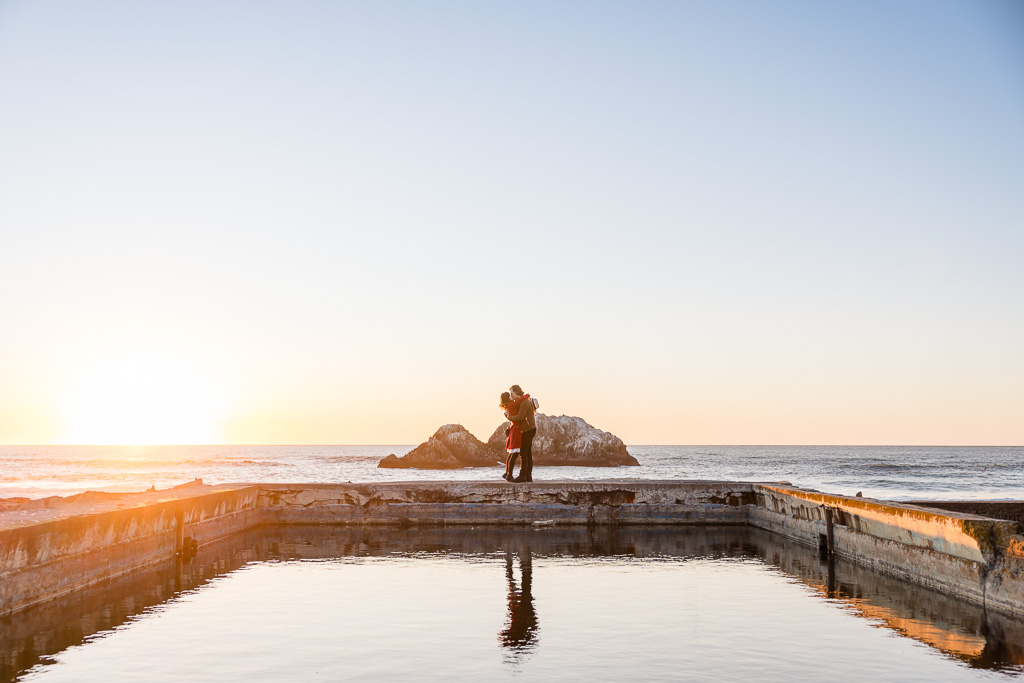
(562, 440)
(451, 447)
(567, 440)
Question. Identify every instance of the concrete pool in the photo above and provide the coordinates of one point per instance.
(644, 580)
(640, 603)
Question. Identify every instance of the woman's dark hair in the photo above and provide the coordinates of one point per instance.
(506, 398)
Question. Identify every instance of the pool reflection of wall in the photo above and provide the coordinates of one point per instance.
(955, 627)
(958, 628)
(29, 636)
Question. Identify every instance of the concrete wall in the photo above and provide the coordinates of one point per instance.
(42, 561)
(47, 559)
(454, 502)
(970, 556)
(961, 554)
(994, 509)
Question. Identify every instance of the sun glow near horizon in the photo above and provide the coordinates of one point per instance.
(142, 397)
(686, 223)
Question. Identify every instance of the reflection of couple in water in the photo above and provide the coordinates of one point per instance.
(521, 411)
(521, 632)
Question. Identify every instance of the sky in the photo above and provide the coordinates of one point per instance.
(351, 223)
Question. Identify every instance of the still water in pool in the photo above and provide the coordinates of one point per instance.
(555, 604)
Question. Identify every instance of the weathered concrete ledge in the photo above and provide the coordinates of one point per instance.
(973, 557)
(995, 509)
(46, 559)
(462, 502)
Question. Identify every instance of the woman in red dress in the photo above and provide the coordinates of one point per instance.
(513, 435)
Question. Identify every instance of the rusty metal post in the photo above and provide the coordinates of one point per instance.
(829, 530)
(179, 531)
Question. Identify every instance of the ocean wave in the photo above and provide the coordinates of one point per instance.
(901, 466)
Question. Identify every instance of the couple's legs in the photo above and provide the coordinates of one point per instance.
(510, 464)
(526, 471)
(526, 450)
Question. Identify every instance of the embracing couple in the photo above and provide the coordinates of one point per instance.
(521, 410)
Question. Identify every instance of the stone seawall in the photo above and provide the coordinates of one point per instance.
(462, 502)
(973, 557)
(995, 509)
(961, 554)
(51, 558)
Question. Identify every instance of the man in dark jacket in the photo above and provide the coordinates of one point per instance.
(527, 419)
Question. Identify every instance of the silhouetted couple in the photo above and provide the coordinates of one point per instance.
(521, 411)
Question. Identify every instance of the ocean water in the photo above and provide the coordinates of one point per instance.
(459, 604)
(887, 472)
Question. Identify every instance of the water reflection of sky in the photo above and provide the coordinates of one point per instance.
(551, 605)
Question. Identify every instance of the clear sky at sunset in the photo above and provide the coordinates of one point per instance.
(341, 223)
